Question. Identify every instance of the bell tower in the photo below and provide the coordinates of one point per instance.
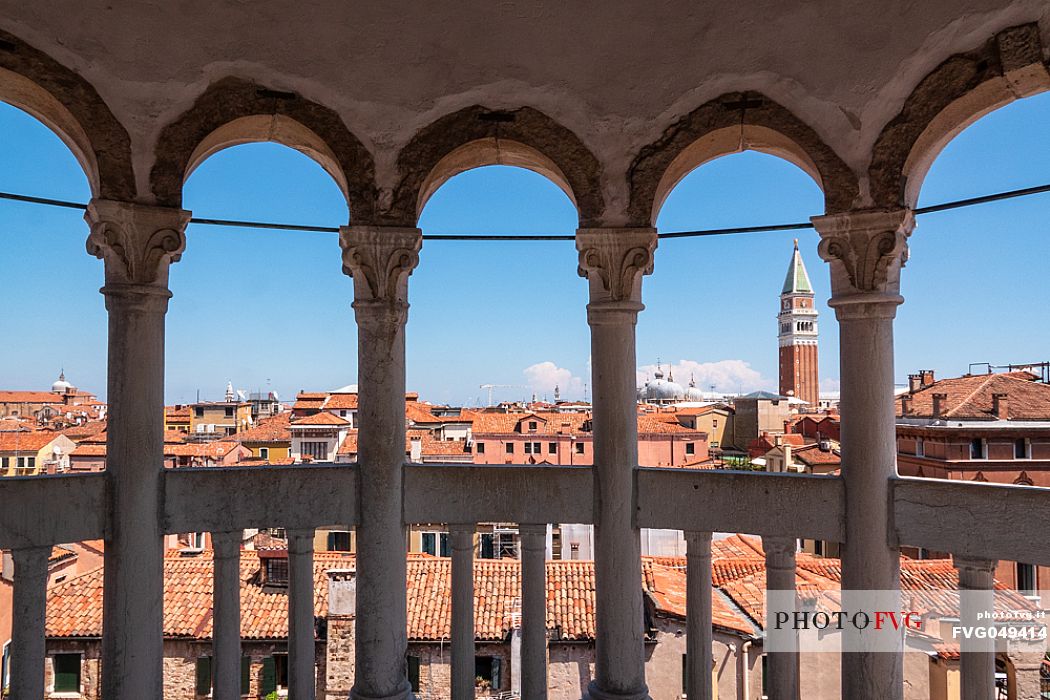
(798, 335)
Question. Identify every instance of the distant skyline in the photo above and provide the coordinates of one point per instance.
(271, 310)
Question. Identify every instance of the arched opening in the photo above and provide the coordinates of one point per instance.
(57, 322)
(497, 323)
(710, 337)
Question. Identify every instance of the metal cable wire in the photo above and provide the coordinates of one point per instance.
(932, 209)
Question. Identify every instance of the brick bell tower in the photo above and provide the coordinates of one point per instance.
(798, 335)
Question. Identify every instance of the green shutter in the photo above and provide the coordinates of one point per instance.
(67, 672)
(497, 676)
(269, 677)
(203, 675)
(413, 673)
(246, 675)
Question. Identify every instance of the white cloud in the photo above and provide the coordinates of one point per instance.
(728, 376)
(543, 376)
(828, 384)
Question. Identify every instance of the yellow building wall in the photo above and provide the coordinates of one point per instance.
(277, 453)
(715, 424)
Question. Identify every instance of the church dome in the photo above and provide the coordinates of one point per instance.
(61, 386)
(692, 393)
(662, 390)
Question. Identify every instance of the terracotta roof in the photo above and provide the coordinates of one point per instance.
(273, 429)
(970, 397)
(546, 423)
(74, 607)
(176, 412)
(7, 424)
(343, 402)
(324, 419)
(648, 425)
(30, 397)
(419, 413)
(85, 431)
(21, 441)
(812, 455)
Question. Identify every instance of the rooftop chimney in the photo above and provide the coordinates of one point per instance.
(342, 592)
(906, 403)
(926, 377)
(416, 452)
(938, 405)
(1001, 406)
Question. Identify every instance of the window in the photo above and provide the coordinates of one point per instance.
(487, 546)
(1026, 582)
(574, 550)
(338, 541)
(3, 463)
(413, 672)
(690, 448)
(316, 450)
(487, 672)
(264, 452)
(436, 544)
(5, 669)
(277, 571)
(685, 674)
(1022, 449)
(204, 675)
(274, 674)
(66, 668)
(481, 448)
(552, 448)
(533, 448)
(510, 448)
(920, 447)
(528, 448)
(977, 446)
(579, 448)
(198, 412)
(533, 426)
(229, 411)
(714, 423)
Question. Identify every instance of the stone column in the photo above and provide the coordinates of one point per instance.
(380, 259)
(226, 646)
(137, 243)
(533, 611)
(302, 682)
(462, 542)
(698, 634)
(976, 603)
(614, 261)
(28, 604)
(866, 251)
(780, 595)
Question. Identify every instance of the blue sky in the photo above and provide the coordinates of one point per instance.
(272, 309)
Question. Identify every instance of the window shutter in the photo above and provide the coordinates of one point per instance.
(497, 675)
(246, 675)
(203, 675)
(269, 677)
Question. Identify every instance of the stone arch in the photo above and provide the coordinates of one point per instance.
(477, 136)
(69, 105)
(728, 124)
(233, 111)
(954, 95)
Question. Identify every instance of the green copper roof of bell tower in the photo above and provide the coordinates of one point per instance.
(797, 281)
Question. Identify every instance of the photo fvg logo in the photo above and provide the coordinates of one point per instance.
(842, 620)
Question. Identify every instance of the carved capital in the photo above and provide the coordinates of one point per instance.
(614, 261)
(866, 250)
(780, 552)
(975, 574)
(138, 243)
(380, 259)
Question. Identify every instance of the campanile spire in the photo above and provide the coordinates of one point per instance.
(797, 336)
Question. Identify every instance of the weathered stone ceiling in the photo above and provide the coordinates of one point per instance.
(617, 74)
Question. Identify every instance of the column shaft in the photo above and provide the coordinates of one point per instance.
(226, 647)
(302, 681)
(462, 537)
(138, 243)
(698, 634)
(28, 617)
(780, 595)
(533, 612)
(380, 261)
(614, 261)
(866, 251)
(976, 602)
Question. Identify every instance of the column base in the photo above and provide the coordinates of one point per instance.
(403, 693)
(593, 692)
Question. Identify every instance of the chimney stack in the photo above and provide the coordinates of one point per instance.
(914, 383)
(1001, 406)
(906, 403)
(938, 405)
(926, 377)
(416, 451)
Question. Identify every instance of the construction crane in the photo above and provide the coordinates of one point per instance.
(490, 387)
